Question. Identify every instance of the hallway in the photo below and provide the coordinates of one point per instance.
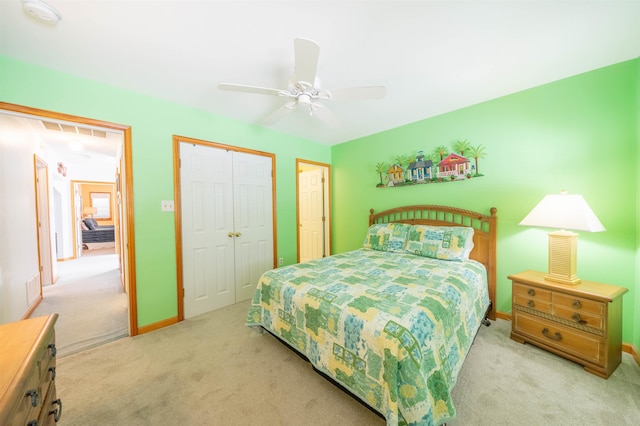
(88, 296)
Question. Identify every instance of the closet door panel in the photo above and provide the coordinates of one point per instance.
(207, 218)
(253, 220)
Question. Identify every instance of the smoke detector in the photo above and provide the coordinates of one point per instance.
(42, 11)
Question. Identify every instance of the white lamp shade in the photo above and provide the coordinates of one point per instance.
(563, 211)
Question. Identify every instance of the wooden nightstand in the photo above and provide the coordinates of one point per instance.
(580, 322)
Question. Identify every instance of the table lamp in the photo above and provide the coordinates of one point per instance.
(89, 211)
(565, 212)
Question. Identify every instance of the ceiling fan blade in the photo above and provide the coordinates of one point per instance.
(306, 57)
(325, 115)
(355, 93)
(279, 113)
(250, 89)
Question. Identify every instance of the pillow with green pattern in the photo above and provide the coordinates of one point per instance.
(387, 237)
(440, 242)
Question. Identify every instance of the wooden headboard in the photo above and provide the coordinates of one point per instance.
(484, 236)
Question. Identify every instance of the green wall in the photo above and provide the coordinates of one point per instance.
(153, 122)
(636, 330)
(577, 134)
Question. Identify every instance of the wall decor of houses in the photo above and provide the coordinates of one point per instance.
(442, 165)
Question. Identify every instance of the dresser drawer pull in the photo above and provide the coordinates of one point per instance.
(577, 318)
(35, 397)
(531, 303)
(576, 304)
(57, 413)
(54, 351)
(32, 423)
(531, 292)
(53, 372)
(556, 336)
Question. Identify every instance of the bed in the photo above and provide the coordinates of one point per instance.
(93, 234)
(393, 321)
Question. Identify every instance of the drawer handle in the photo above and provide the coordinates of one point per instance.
(54, 351)
(57, 412)
(35, 397)
(556, 336)
(53, 372)
(577, 318)
(576, 304)
(531, 303)
(33, 423)
(531, 292)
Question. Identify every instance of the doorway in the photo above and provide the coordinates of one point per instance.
(126, 256)
(313, 212)
(225, 223)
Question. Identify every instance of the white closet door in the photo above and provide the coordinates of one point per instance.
(311, 212)
(207, 219)
(253, 220)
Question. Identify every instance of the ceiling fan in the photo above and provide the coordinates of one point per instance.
(304, 88)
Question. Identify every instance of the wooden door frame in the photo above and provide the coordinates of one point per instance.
(327, 199)
(127, 154)
(177, 140)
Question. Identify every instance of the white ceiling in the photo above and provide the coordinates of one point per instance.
(432, 56)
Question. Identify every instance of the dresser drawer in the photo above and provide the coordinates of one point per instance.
(584, 345)
(30, 402)
(52, 408)
(538, 305)
(530, 292)
(579, 318)
(579, 304)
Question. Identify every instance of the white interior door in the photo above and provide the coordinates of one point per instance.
(312, 214)
(44, 224)
(253, 220)
(207, 220)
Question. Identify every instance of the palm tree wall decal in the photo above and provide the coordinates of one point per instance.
(434, 159)
(380, 169)
(476, 153)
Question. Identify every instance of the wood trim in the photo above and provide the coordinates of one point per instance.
(130, 237)
(484, 236)
(177, 202)
(157, 325)
(630, 349)
(36, 112)
(32, 308)
(329, 189)
(503, 315)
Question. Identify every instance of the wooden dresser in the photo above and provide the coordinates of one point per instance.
(581, 322)
(27, 385)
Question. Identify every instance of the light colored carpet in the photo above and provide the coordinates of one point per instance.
(88, 296)
(212, 370)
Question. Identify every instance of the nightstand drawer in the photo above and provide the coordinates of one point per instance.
(538, 305)
(583, 345)
(579, 303)
(579, 318)
(530, 292)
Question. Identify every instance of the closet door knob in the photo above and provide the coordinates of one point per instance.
(238, 234)
(230, 234)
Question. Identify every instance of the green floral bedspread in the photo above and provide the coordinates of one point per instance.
(393, 328)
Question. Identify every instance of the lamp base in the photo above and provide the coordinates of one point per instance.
(563, 246)
(563, 280)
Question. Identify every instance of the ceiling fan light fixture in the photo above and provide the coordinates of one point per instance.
(304, 99)
(41, 11)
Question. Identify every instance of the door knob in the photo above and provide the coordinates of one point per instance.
(238, 234)
(230, 234)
